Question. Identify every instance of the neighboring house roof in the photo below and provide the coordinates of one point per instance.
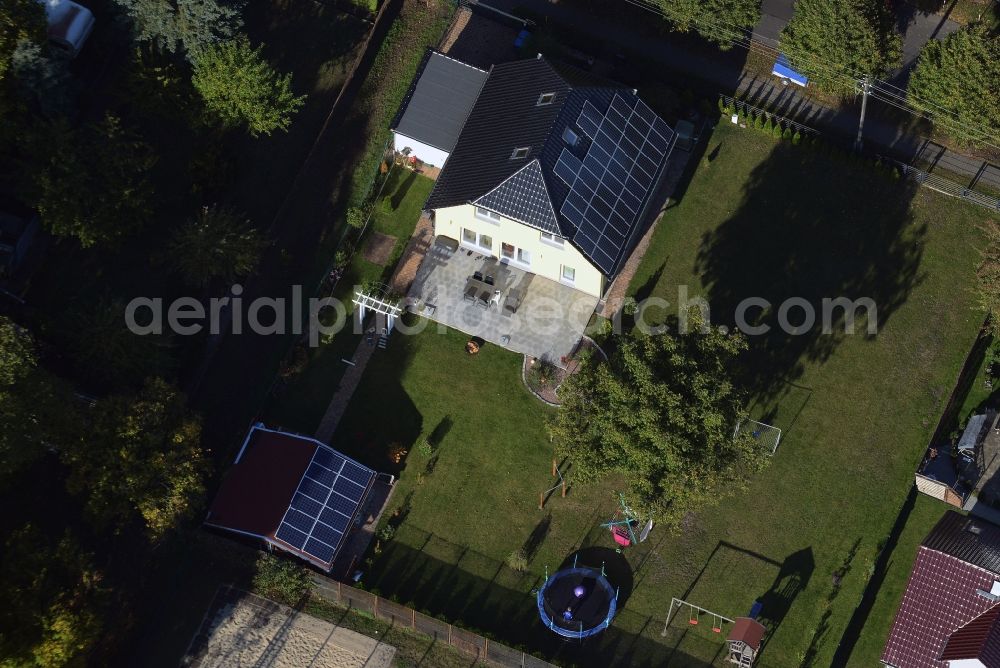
(594, 192)
(955, 569)
(439, 100)
(292, 491)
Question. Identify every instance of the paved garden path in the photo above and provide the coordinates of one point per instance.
(405, 271)
(342, 397)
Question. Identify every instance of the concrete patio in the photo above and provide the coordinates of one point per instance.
(547, 324)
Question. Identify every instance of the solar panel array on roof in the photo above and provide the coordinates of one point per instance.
(327, 498)
(610, 185)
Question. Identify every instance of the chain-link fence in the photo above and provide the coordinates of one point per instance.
(473, 644)
(943, 185)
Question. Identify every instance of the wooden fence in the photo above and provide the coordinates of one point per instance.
(472, 644)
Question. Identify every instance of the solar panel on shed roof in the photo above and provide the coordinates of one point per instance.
(327, 498)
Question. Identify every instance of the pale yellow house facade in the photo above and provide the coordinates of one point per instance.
(519, 245)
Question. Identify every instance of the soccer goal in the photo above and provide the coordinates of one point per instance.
(767, 435)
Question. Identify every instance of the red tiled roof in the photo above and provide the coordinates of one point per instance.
(749, 631)
(978, 639)
(258, 488)
(940, 597)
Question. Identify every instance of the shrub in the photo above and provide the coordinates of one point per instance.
(386, 532)
(356, 217)
(797, 138)
(630, 306)
(541, 374)
(768, 125)
(518, 560)
(425, 448)
(341, 258)
(758, 122)
(787, 134)
(776, 132)
(280, 580)
(722, 106)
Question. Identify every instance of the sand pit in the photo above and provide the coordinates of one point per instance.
(241, 629)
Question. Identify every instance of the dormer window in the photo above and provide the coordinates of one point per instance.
(545, 98)
(520, 153)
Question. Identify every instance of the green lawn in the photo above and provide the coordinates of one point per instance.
(758, 218)
(303, 400)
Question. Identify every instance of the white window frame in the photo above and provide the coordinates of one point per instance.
(552, 239)
(517, 257)
(513, 251)
(545, 99)
(478, 243)
(562, 274)
(520, 153)
(487, 215)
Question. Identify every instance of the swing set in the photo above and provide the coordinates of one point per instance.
(695, 613)
(624, 524)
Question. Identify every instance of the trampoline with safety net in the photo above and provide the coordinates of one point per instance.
(577, 602)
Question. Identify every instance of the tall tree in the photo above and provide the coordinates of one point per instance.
(240, 87)
(36, 410)
(53, 600)
(218, 244)
(957, 82)
(140, 458)
(719, 21)
(94, 185)
(185, 26)
(110, 356)
(835, 42)
(20, 21)
(661, 414)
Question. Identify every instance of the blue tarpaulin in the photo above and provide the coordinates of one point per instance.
(783, 69)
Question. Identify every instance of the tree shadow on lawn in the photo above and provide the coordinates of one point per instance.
(399, 194)
(810, 228)
(381, 414)
(483, 594)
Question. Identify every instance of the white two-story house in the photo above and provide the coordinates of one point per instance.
(555, 172)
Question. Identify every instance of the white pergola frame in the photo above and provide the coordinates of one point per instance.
(765, 426)
(379, 303)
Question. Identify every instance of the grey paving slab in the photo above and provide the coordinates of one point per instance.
(548, 324)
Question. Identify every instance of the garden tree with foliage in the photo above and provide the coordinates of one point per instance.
(36, 409)
(93, 184)
(719, 21)
(836, 42)
(20, 21)
(53, 600)
(141, 456)
(280, 579)
(184, 26)
(661, 414)
(108, 355)
(957, 82)
(43, 81)
(240, 87)
(219, 243)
